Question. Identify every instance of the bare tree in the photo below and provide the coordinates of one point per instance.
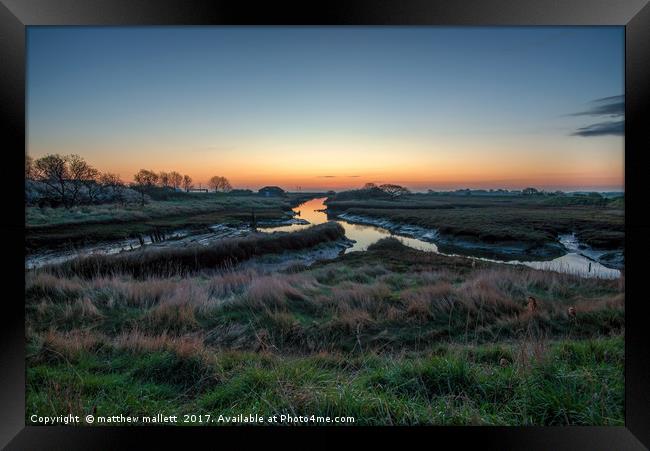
(214, 182)
(64, 176)
(220, 184)
(114, 183)
(93, 187)
(52, 170)
(163, 179)
(80, 174)
(187, 183)
(175, 179)
(143, 181)
(369, 185)
(225, 185)
(394, 190)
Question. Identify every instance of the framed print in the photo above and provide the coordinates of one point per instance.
(359, 215)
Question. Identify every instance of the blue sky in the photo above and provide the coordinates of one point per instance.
(425, 106)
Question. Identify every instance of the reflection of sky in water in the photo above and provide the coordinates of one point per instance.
(576, 264)
(365, 235)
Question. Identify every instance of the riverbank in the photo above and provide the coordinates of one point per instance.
(517, 228)
(575, 257)
(60, 228)
(504, 251)
(450, 244)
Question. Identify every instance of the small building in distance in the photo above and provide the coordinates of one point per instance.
(271, 191)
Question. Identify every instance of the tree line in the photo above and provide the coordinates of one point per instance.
(69, 180)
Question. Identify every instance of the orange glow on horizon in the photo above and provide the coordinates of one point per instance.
(347, 163)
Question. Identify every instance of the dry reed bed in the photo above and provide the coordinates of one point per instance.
(334, 306)
(185, 260)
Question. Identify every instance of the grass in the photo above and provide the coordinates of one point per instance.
(532, 220)
(53, 227)
(390, 298)
(183, 260)
(578, 383)
(388, 336)
(189, 205)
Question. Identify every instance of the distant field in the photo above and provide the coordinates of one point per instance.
(530, 219)
(192, 205)
(390, 336)
(51, 227)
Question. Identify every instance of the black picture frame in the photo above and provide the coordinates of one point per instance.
(634, 15)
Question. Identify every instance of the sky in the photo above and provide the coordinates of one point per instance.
(335, 107)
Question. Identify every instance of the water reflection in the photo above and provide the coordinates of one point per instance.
(362, 235)
(365, 235)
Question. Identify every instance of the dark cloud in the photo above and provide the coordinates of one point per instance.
(615, 128)
(619, 98)
(612, 107)
(354, 176)
(607, 109)
(327, 176)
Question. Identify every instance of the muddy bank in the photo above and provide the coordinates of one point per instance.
(298, 259)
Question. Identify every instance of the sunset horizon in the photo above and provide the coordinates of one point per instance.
(329, 108)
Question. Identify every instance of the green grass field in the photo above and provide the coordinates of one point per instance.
(571, 383)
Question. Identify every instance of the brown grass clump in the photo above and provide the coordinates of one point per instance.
(69, 345)
(419, 309)
(144, 293)
(352, 321)
(427, 301)
(483, 293)
(177, 317)
(53, 286)
(285, 327)
(82, 309)
(185, 346)
(354, 296)
(271, 292)
(616, 302)
(394, 314)
(229, 283)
